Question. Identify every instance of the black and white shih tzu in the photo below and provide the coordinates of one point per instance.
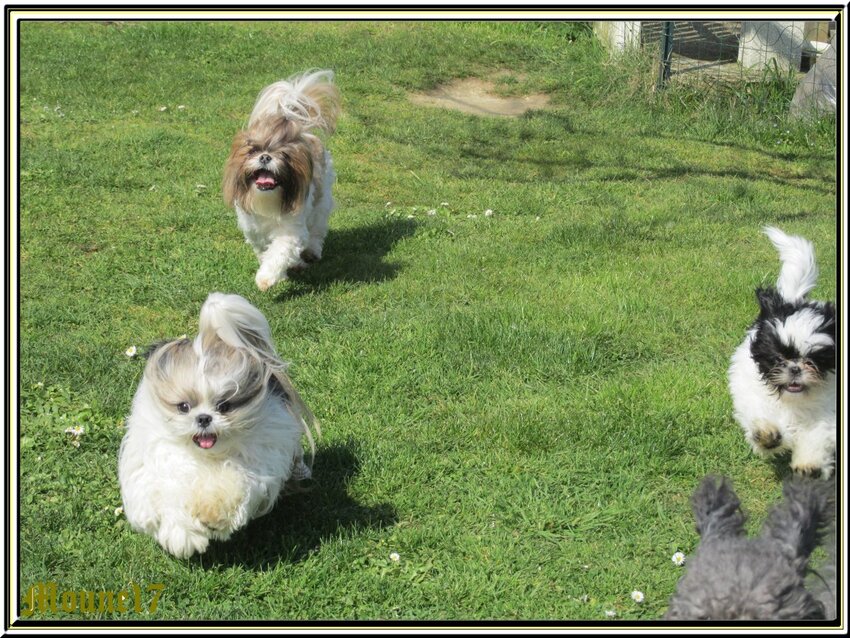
(279, 174)
(214, 432)
(782, 377)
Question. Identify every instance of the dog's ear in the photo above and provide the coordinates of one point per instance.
(152, 348)
(167, 357)
(828, 324)
(297, 176)
(770, 302)
(234, 182)
(799, 523)
(717, 509)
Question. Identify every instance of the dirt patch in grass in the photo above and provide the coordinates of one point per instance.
(480, 97)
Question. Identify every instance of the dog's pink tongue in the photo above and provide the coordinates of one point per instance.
(205, 441)
(265, 180)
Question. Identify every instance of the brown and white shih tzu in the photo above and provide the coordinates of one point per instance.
(279, 174)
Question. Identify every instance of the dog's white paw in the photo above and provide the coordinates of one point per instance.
(182, 542)
(265, 281)
(812, 465)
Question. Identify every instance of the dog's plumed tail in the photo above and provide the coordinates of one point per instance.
(799, 272)
(310, 99)
(233, 320)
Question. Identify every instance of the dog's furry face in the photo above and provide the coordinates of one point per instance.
(272, 157)
(794, 343)
(732, 577)
(208, 398)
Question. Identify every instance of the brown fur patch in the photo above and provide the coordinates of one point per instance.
(216, 498)
(767, 437)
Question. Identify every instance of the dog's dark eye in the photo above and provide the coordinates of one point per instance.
(183, 407)
(224, 407)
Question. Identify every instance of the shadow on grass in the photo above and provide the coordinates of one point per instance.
(353, 255)
(489, 151)
(301, 522)
(780, 465)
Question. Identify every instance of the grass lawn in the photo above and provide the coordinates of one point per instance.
(518, 404)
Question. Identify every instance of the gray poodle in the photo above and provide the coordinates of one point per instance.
(732, 577)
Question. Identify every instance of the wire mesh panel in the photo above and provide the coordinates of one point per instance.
(705, 52)
(735, 49)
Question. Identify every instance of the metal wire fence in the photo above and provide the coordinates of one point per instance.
(735, 49)
(705, 52)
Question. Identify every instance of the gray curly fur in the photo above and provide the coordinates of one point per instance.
(733, 577)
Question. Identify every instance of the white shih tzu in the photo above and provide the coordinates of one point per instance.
(279, 174)
(782, 377)
(214, 431)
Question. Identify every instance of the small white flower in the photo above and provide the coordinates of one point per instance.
(431, 212)
(678, 559)
(76, 432)
(118, 511)
(135, 111)
(388, 204)
(394, 557)
(200, 186)
(610, 613)
(488, 213)
(163, 109)
(637, 596)
(445, 204)
(181, 107)
(537, 219)
(470, 216)
(131, 351)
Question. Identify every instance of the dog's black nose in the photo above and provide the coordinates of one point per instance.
(204, 420)
(265, 158)
(795, 369)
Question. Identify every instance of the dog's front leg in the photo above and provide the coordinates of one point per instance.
(283, 253)
(814, 450)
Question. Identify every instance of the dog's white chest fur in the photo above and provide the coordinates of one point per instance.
(288, 240)
(804, 423)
